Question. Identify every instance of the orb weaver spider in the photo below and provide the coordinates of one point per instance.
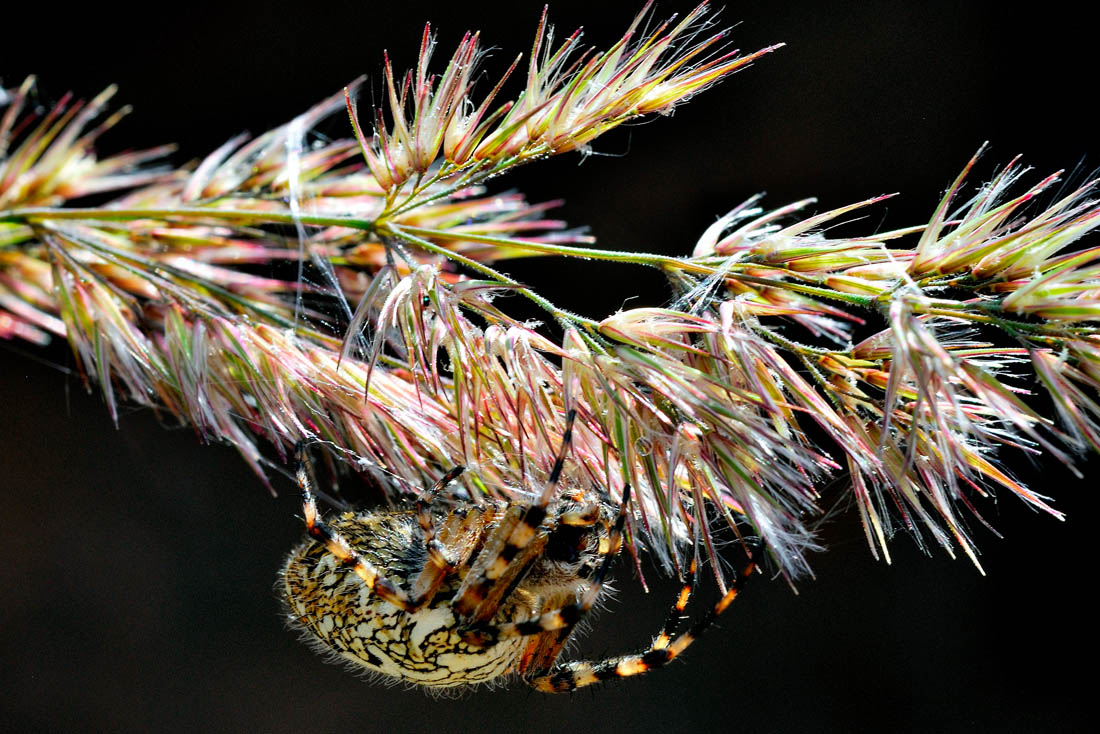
(474, 593)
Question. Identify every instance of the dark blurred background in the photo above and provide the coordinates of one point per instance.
(136, 584)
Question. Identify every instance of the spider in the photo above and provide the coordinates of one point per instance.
(469, 595)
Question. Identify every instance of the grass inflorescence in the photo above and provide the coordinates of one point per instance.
(176, 295)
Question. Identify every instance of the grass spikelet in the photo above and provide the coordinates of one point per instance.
(786, 355)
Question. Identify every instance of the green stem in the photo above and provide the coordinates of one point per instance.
(563, 317)
(793, 346)
(957, 310)
(416, 235)
(588, 253)
(229, 215)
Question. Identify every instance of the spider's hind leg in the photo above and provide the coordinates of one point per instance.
(662, 651)
(675, 615)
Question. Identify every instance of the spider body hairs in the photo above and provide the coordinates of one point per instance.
(470, 593)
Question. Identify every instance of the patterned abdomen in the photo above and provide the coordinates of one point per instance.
(329, 602)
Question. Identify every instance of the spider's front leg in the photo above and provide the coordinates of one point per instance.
(435, 570)
(439, 566)
(564, 619)
(510, 549)
(543, 654)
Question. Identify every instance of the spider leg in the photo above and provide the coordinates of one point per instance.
(564, 618)
(542, 654)
(516, 571)
(339, 547)
(675, 615)
(490, 581)
(506, 557)
(585, 517)
(438, 565)
(578, 674)
(546, 646)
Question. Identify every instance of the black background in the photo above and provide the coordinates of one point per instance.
(136, 584)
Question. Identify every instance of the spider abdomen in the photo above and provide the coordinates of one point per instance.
(328, 600)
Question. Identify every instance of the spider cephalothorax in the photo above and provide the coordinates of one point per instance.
(463, 595)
